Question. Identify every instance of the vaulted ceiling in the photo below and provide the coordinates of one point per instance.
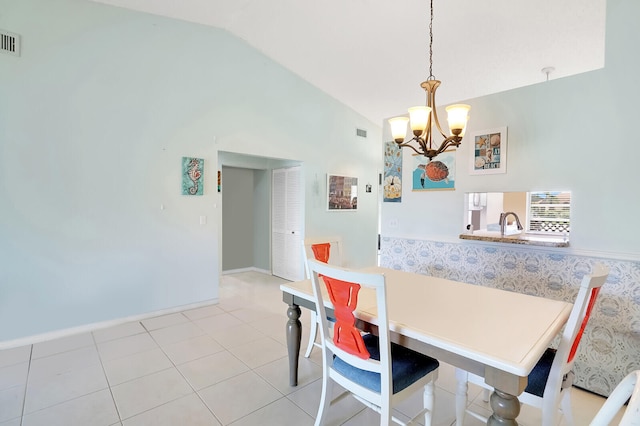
(372, 55)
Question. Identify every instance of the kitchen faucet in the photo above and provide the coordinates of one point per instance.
(503, 222)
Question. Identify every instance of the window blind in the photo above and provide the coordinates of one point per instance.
(549, 212)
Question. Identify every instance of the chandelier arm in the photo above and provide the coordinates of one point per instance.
(408, 144)
(434, 111)
(450, 141)
(437, 121)
(421, 140)
(435, 116)
(425, 140)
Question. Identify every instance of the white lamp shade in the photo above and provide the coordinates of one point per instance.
(398, 128)
(464, 130)
(419, 118)
(457, 117)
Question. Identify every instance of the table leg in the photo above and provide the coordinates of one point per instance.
(294, 336)
(505, 409)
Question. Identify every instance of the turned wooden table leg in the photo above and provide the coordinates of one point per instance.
(294, 336)
(505, 409)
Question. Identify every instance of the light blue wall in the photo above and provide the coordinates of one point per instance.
(576, 133)
(94, 118)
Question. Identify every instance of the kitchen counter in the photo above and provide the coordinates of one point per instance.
(524, 239)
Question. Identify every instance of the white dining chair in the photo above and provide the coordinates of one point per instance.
(627, 390)
(550, 381)
(328, 250)
(378, 373)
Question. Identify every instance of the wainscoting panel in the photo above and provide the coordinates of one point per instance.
(610, 347)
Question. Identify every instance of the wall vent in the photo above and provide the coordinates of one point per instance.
(9, 43)
(362, 133)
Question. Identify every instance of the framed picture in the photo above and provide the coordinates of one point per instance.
(342, 193)
(192, 170)
(489, 151)
(392, 189)
(434, 175)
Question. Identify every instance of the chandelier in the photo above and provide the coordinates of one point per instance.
(424, 118)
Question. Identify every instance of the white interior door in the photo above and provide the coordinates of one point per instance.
(286, 217)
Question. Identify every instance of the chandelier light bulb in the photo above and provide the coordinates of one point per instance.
(398, 128)
(457, 116)
(419, 117)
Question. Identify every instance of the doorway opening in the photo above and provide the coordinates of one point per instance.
(246, 224)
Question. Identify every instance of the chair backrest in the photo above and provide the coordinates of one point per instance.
(628, 387)
(327, 250)
(576, 324)
(343, 288)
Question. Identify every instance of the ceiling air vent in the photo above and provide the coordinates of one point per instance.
(362, 133)
(9, 43)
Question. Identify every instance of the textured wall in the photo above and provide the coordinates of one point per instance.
(610, 347)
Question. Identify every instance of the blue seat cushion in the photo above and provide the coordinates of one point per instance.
(540, 373)
(407, 366)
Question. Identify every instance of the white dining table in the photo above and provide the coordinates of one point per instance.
(496, 334)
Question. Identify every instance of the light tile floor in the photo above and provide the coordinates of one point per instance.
(223, 364)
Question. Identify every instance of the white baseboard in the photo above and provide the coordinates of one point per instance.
(250, 269)
(57, 334)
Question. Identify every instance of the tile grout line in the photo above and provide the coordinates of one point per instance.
(226, 349)
(65, 401)
(26, 384)
(283, 396)
(146, 330)
(104, 371)
(175, 367)
(248, 366)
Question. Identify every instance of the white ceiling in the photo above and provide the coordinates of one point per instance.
(373, 54)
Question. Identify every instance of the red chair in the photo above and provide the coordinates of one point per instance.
(550, 381)
(375, 371)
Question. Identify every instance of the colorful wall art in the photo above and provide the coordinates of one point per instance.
(489, 152)
(342, 193)
(437, 174)
(192, 176)
(392, 179)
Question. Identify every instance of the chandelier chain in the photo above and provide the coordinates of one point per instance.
(431, 76)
